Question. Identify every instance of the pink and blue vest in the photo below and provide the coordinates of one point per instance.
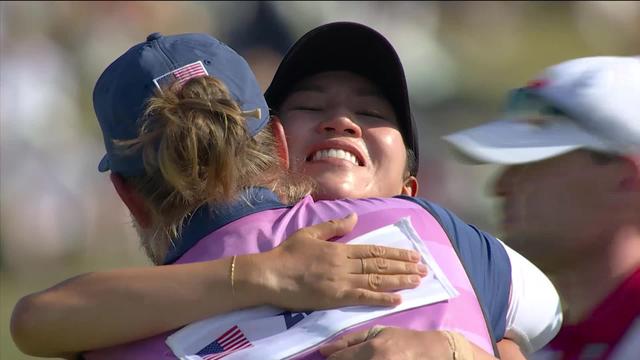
(264, 230)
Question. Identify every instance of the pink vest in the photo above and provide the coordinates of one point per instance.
(265, 230)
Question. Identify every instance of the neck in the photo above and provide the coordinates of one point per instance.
(154, 241)
(607, 267)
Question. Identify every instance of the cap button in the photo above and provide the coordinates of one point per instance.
(154, 36)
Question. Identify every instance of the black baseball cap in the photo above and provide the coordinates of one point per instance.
(353, 47)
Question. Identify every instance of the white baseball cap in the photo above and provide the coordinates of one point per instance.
(591, 103)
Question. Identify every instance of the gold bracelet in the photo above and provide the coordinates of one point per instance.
(233, 270)
(374, 331)
(452, 344)
(460, 347)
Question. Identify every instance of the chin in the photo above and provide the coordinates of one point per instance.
(334, 192)
(514, 241)
(537, 251)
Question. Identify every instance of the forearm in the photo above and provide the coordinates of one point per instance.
(130, 304)
(103, 309)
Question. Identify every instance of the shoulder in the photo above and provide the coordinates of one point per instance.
(465, 236)
(446, 217)
(484, 259)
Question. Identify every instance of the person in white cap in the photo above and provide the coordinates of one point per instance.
(571, 191)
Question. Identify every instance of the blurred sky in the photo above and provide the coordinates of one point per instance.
(59, 216)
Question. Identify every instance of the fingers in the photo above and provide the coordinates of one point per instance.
(344, 342)
(332, 228)
(385, 266)
(378, 251)
(360, 351)
(377, 282)
(351, 297)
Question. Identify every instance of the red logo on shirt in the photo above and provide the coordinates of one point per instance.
(538, 83)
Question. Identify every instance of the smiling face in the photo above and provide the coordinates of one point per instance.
(343, 133)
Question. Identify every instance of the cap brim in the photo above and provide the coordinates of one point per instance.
(510, 141)
(353, 47)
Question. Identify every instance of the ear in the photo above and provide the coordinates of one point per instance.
(410, 186)
(281, 140)
(631, 179)
(136, 204)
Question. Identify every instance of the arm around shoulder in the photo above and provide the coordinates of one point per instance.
(124, 303)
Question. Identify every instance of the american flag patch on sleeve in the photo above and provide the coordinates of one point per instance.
(181, 75)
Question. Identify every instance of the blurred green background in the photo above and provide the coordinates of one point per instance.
(60, 217)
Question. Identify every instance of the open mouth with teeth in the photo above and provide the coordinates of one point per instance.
(335, 154)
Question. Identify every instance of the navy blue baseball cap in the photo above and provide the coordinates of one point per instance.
(121, 92)
(353, 47)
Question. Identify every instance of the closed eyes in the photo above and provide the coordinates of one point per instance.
(370, 114)
(364, 113)
(307, 108)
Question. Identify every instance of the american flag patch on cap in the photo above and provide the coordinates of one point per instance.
(181, 75)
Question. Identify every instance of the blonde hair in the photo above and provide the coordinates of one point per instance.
(197, 150)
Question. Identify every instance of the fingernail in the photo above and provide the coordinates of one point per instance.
(415, 256)
(422, 268)
(414, 279)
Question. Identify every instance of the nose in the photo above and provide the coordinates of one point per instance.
(504, 182)
(340, 123)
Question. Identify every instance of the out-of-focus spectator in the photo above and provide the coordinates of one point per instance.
(571, 194)
(262, 40)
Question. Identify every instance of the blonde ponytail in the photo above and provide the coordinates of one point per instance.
(196, 149)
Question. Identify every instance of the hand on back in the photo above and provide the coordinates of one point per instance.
(308, 272)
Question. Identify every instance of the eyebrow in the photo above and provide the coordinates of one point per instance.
(371, 92)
